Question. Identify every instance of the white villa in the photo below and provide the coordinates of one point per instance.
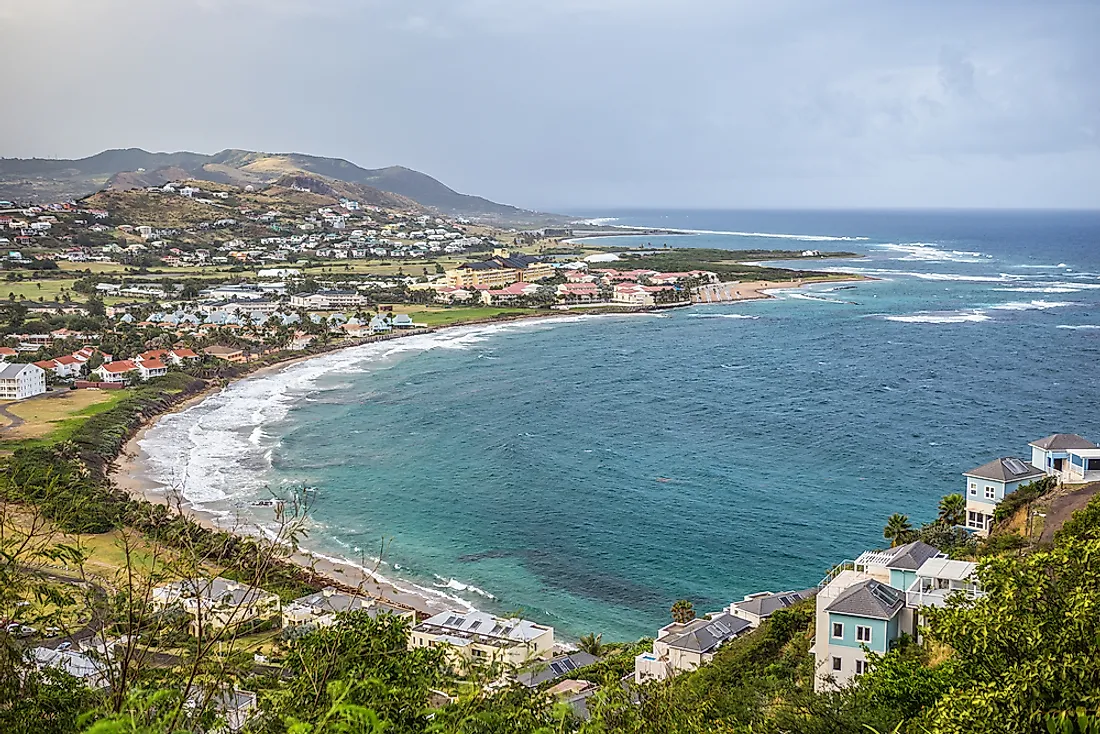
(19, 381)
(988, 484)
(217, 603)
(479, 636)
(755, 608)
(323, 607)
(684, 646)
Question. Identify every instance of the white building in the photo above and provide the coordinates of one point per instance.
(19, 381)
(755, 608)
(329, 300)
(323, 607)
(217, 603)
(480, 637)
(1051, 454)
(988, 484)
(684, 646)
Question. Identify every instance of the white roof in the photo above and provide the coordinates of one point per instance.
(459, 624)
(943, 568)
(1085, 453)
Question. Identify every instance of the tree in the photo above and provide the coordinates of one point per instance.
(953, 509)
(683, 611)
(898, 530)
(592, 644)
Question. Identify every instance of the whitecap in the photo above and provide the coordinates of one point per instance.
(941, 317)
(456, 585)
(1079, 327)
(1031, 305)
(722, 316)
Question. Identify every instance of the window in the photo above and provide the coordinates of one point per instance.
(837, 663)
(838, 629)
(861, 667)
(863, 634)
(974, 489)
(990, 493)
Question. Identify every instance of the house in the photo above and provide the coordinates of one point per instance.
(509, 293)
(20, 381)
(864, 603)
(578, 291)
(91, 669)
(321, 608)
(119, 371)
(684, 646)
(380, 325)
(755, 608)
(450, 294)
(403, 321)
(233, 708)
(1083, 465)
(1051, 454)
(7, 353)
(229, 354)
(856, 613)
(939, 578)
(150, 368)
(477, 636)
(988, 484)
(217, 603)
(558, 667)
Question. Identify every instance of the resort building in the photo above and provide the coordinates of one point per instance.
(1051, 454)
(217, 603)
(19, 381)
(755, 608)
(329, 300)
(229, 354)
(988, 484)
(118, 371)
(559, 667)
(480, 637)
(502, 269)
(684, 646)
(92, 670)
(323, 607)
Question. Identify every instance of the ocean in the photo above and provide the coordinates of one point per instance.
(589, 471)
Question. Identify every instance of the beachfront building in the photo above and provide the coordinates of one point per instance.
(20, 381)
(322, 608)
(229, 354)
(862, 603)
(755, 608)
(117, 372)
(217, 603)
(329, 300)
(476, 636)
(684, 646)
(1051, 454)
(502, 269)
(988, 484)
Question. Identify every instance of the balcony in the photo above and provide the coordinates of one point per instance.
(940, 578)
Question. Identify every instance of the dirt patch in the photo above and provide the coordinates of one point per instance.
(1063, 508)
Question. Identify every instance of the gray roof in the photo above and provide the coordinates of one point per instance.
(872, 599)
(910, 556)
(1063, 441)
(335, 602)
(1008, 469)
(11, 371)
(763, 606)
(559, 667)
(705, 635)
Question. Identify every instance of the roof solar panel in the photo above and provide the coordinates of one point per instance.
(1015, 466)
(568, 664)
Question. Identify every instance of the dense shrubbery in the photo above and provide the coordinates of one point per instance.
(1024, 495)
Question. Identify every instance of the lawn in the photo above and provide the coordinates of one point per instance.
(32, 290)
(443, 316)
(54, 417)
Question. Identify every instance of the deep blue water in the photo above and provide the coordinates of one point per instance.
(592, 471)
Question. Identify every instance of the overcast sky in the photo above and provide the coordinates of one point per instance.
(555, 104)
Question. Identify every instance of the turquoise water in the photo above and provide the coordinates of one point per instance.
(591, 471)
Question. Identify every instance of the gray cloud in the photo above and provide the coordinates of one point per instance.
(569, 103)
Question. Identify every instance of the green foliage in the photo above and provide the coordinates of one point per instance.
(952, 509)
(1025, 494)
(1084, 525)
(683, 611)
(898, 530)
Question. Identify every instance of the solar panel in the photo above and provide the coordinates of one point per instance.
(568, 664)
(1015, 466)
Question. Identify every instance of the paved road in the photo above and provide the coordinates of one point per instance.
(16, 421)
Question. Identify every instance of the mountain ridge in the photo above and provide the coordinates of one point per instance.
(41, 179)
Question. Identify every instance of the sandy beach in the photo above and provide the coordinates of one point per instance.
(130, 472)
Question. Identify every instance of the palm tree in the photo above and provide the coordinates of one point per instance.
(898, 530)
(683, 611)
(953, 509)
(592, 644)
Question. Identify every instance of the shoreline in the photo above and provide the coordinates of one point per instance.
(129, 471)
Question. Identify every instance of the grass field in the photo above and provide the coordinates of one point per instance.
(54, 417)
(47, 290)
(443, 316)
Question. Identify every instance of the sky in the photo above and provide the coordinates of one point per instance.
(587, 104)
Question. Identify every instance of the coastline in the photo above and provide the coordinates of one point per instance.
(130, 469)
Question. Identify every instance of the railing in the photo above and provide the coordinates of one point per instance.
(937, 597)
(847, 565)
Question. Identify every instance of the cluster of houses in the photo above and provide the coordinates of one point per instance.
(346, 231)
(867, 604)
